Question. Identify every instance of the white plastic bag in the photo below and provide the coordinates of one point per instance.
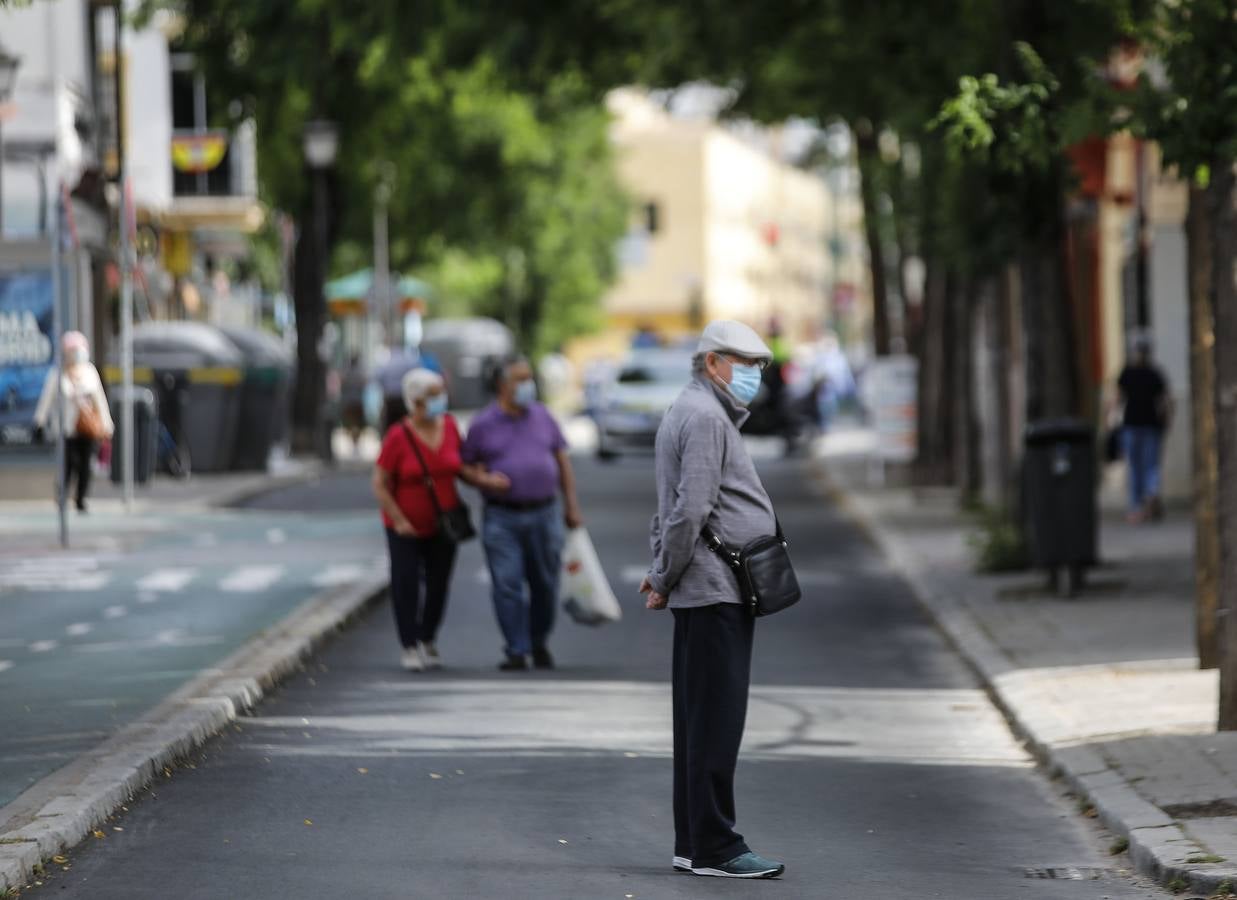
(583, 588)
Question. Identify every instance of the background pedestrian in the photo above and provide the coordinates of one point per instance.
(421, 557)
(1146, 416)
(516, 454)
(86, 417)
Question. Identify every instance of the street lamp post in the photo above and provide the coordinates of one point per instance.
(321, 146)
(8, 78)
(381, 295)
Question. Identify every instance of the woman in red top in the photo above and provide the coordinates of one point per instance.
(421, 559)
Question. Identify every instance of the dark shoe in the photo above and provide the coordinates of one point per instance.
(515, 662)
(749, 865)
(542, 659)
(81, 505)
(682, 864)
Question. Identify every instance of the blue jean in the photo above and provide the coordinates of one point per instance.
(524, 547)
(1142, 453)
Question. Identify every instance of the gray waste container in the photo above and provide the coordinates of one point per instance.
(196, 373)
(145, 426)
(467, 350)
(265, 395)
(1059, 492)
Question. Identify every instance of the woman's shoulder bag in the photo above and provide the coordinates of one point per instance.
(767, 582)
(454, 524)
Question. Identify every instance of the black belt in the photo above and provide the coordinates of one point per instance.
(522, 505)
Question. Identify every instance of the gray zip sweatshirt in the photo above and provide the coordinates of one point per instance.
(704, 473)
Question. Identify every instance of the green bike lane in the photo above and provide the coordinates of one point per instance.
(94, 636)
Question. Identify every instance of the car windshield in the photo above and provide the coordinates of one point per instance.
(661, 371)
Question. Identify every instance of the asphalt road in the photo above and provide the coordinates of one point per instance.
(872, 764)
(94, 637)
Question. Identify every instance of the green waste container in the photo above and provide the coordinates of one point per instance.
(196, 373)
(264, 395)
(1059, 492)
(145, 427)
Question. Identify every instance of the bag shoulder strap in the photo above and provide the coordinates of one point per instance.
(428, 480)
(715, 544)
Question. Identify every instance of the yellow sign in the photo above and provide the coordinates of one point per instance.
(177, 252)
(194, 153)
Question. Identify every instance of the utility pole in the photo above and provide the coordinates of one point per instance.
(58, 354)
(126, 275)
(382, 296)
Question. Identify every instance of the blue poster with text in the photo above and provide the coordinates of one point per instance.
(25, 349)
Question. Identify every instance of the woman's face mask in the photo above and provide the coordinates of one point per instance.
(436, 406)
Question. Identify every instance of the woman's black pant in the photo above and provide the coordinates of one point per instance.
(712, 671)
(78, 452)
(420, 576)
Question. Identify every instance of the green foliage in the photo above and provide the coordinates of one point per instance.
(488, 166)
(999, 544)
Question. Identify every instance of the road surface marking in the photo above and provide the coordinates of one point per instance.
(5, 665)
(276, 535)
(148, 597)
(115, 612)
(945, 727)
(172, 637)
(251, 578)
(77, 629)
(166, 580)
(333, 576)
(633, 574)
(43, 646)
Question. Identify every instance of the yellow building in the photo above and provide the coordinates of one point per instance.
(722, 229)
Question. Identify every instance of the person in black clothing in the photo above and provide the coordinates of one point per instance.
(1144, 393)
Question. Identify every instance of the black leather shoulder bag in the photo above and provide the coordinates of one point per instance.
(454, 524)
(767, 582)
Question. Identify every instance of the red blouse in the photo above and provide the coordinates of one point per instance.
(408, 479)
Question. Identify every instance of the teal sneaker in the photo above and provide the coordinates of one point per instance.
(749, 865)
(682, 864)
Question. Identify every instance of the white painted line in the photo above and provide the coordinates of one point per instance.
(148, 597)
(5, 665)
(276, 535)
(251, 578)
(335, 575)
(166, 580)
(633, 574)
(43, 646)
(115, 612)
(77, 629)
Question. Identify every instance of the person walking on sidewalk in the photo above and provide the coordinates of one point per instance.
(517, 455)
(84, 412)
(706, 477)
(421, 558)
(1148, 411)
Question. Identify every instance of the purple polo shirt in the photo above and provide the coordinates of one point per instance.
(522, 448)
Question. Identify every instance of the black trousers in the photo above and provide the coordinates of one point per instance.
(712, 671)
(420, 575)
(77, 455)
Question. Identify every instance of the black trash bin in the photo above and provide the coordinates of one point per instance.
(197, 373)
(264, 401)
(1059, 494)
(145, 426)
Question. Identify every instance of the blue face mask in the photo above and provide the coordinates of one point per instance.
(744, 382)
(525, 394)
(436, 406)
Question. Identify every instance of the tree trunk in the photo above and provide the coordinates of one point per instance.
(933, 463)
(1051, 344)
(1222, 215)
(309, 275)
(1203, 423)
(963, 381)
(869, 162)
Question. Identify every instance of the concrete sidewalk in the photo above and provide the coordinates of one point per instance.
(1104, 687)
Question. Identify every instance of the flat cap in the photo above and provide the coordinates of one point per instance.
(728, 336)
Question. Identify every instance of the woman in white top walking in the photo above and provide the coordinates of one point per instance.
(86, 417)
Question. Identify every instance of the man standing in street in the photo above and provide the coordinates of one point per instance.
(705, 476)
(1147, 414)
(517, 455)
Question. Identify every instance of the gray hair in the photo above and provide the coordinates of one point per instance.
(699, 362)
(417, 383)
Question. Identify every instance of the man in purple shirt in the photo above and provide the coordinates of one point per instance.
(516, 454)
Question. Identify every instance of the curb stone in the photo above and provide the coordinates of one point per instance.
(63, 808)
(1158, 847)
